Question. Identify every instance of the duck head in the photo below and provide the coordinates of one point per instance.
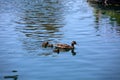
(73, 43)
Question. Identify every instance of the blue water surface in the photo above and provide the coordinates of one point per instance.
(26, 24)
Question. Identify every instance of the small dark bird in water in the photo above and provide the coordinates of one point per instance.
(56, 50)
(45, 44)
(66, 46)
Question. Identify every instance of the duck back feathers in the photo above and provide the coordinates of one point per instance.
(66, 46)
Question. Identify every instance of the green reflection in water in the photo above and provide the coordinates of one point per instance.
(112, 11)
(107, 17)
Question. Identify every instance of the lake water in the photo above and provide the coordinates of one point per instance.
(26, 24)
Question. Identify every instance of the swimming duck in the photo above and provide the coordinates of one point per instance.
(66, 46)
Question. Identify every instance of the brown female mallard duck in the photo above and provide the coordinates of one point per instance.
(66, 46)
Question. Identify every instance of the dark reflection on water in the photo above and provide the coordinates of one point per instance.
(108, 15)
(113, 17)
(25, 24)
(41, 22)
(15, 77)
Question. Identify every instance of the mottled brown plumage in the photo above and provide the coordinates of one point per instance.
(66, 46)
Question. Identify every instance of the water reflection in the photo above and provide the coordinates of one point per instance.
(35, 21)
(58, 51)
(40, 22)
(107, 18)
(14, 77)
(73, 52)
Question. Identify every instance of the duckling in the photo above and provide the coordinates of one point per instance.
(45, 44)
(66, 46)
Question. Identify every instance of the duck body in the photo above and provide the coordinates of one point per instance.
(63, 46)
(66, 46)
